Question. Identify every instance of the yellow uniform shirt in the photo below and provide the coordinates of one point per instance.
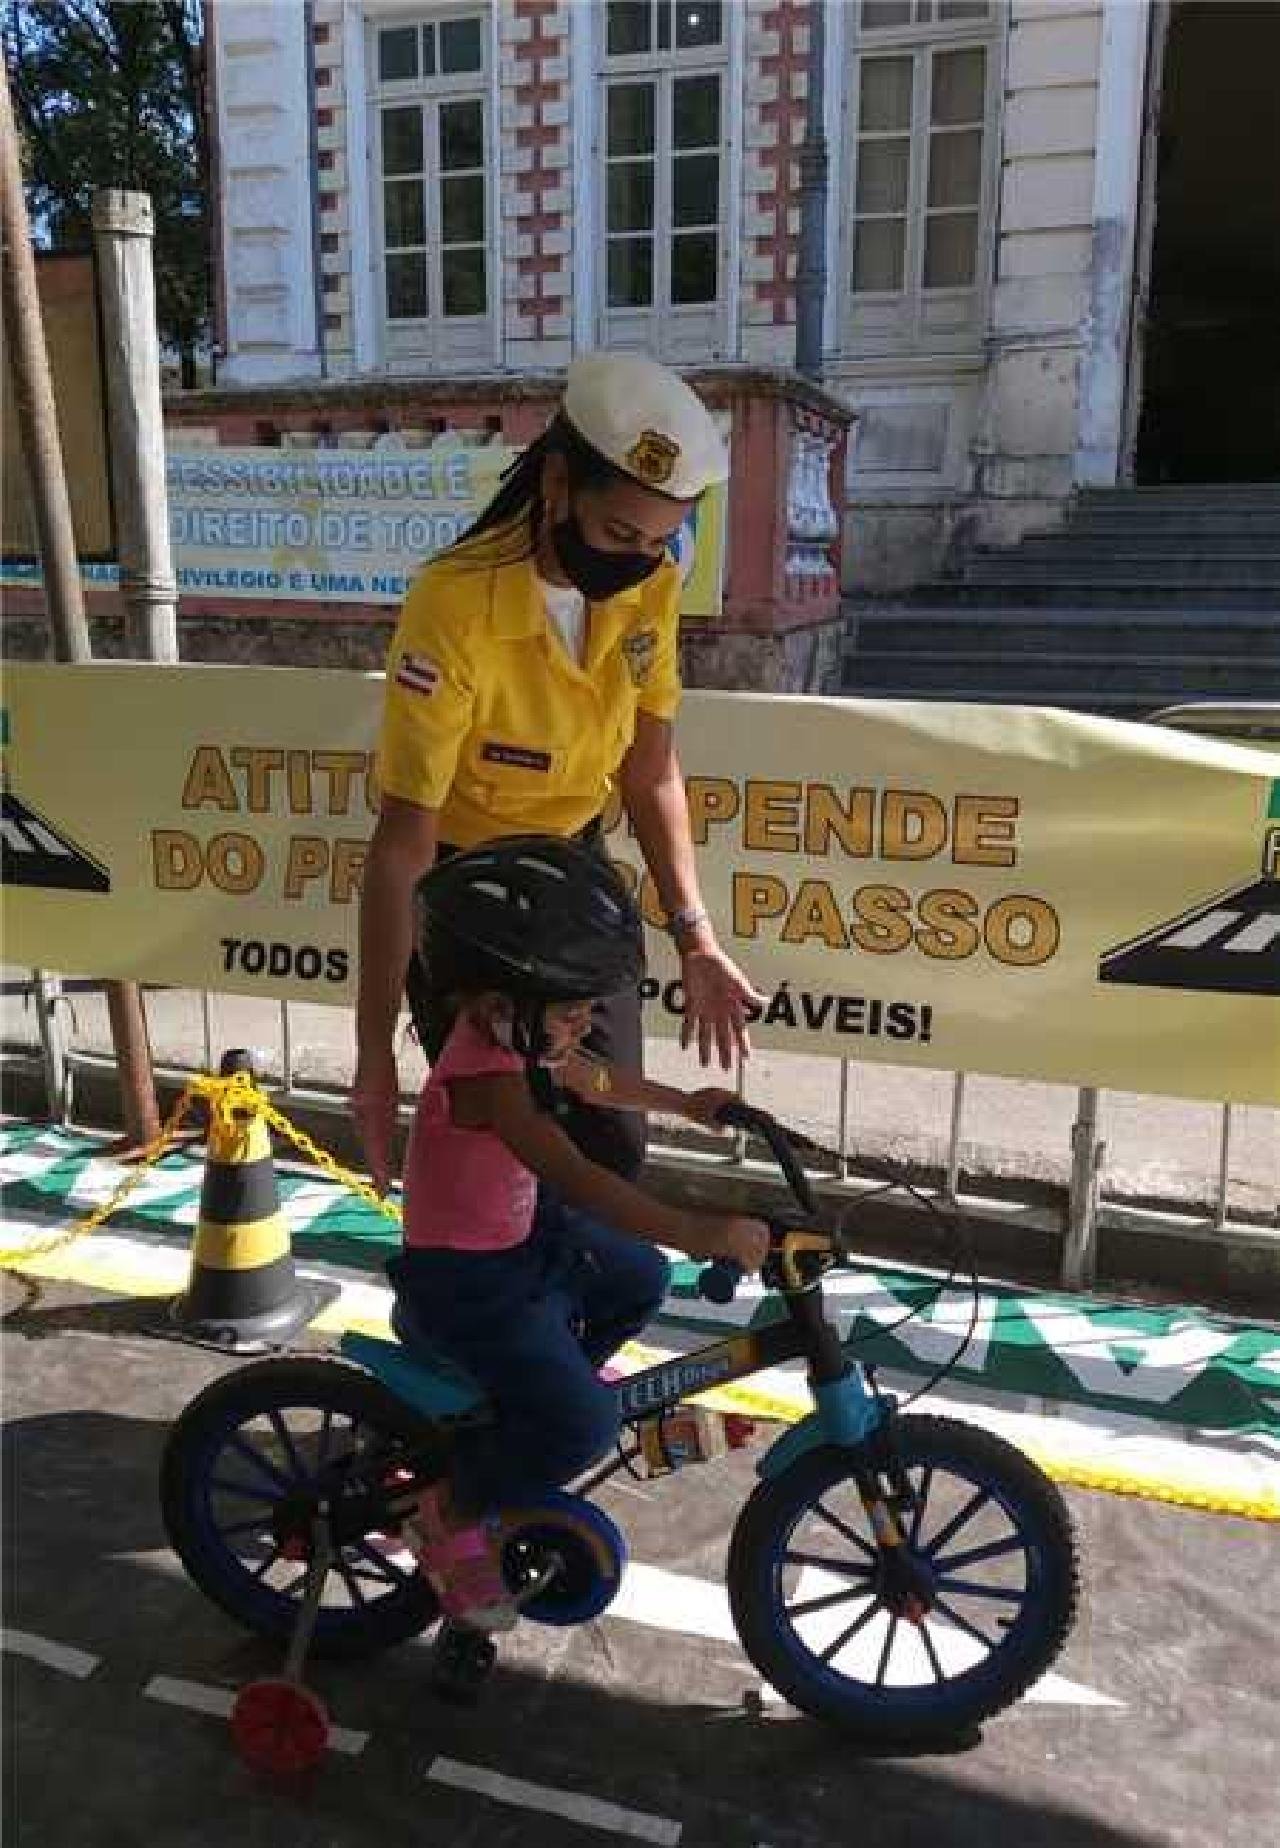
(489, 721)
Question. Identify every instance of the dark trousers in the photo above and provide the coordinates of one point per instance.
(614, 1138)
(533, 1325)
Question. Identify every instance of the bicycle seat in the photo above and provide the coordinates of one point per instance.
(415, 1370)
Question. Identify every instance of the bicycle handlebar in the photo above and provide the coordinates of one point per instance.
(719, 1280)
(738, 1115)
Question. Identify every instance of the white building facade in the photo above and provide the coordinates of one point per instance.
(488, 186)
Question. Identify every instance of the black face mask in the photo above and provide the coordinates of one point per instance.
(596, 573)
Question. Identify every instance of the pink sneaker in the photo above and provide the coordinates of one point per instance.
(461, 1566)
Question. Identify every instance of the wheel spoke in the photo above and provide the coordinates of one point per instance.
(996, 1550)
(301, 1473)
(826, 1602)
(887, 1651)
(245, 1527)
(256, 1460)
(956, 1522)
(930, 1650)
(351, 1582)
(922, 1499)
(968, 1589)
(952, 1615)
(839, 1566)
(859, 1623)
(243, 1490)
(264, 1565)
(395, 1574)
(843, 1528)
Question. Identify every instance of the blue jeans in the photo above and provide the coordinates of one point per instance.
(533, 1325)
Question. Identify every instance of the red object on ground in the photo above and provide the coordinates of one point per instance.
(280, 1727)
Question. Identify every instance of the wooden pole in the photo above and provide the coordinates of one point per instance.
(64, 594)
(33, 402)
(123, 232)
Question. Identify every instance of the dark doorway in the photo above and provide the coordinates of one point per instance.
(1211, 373)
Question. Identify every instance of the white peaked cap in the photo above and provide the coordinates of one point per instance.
(644, 419)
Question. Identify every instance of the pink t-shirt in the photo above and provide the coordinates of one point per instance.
(463, 1188)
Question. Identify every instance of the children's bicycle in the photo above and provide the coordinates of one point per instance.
(902, 1577)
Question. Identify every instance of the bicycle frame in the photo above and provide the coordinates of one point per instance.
(847, 1411)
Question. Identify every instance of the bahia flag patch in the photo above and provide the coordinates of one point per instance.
(418, 674)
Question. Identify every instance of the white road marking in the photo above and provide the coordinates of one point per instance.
(200, 1698)
(679, 1603)
(591, 1811)
(67, 1660)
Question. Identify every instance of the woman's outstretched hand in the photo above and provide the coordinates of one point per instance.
(716, 997)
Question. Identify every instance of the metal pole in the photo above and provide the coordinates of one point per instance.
(1224, 1171)
(953, 1144)
(811, 261)
(1079, 1251)
(33, 401)
(53, 1052)
(845, 1100)
(123, 230)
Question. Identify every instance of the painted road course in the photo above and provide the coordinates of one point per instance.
(648, 1724)
(1172, 1403)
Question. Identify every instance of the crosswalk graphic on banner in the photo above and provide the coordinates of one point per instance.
(1228, 945)
(34, 853)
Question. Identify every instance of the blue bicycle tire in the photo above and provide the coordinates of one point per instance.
(205, 1432)
(1042, 1546)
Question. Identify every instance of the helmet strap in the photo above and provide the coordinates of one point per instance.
(529, 1039)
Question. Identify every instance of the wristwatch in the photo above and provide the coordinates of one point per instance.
(686, 919)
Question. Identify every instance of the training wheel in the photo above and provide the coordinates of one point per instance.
(279, 1727)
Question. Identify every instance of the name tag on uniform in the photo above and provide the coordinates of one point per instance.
(516, 756)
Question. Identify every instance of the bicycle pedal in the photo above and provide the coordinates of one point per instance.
(461, 1662)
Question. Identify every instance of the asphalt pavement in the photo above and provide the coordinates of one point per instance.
(1157, 1725)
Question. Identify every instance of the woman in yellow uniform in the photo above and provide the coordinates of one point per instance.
(534, 668)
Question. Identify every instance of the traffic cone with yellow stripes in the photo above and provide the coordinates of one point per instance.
(243, 1292)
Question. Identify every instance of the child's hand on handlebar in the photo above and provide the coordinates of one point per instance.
(704, 1107)
(728, 1235)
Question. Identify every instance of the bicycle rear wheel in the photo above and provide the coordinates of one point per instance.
(244, 1470)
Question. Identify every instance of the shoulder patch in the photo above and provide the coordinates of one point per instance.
(418, 674)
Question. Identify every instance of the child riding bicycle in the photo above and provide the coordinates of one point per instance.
(524, 1261)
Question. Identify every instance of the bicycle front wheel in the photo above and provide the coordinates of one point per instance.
(919, 1650)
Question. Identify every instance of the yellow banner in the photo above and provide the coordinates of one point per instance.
(1008, 890)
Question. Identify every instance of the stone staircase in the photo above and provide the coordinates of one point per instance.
(1145, 597)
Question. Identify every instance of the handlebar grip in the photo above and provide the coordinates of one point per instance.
(720, 1280)
(737, 1115)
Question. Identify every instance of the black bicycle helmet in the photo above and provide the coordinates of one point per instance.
(532, 917)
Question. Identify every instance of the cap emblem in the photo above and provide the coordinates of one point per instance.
(652, 458)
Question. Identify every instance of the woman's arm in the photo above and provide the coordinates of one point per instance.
(717, 993)
(403, 848)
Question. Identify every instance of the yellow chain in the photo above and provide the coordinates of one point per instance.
(15, 1256)
(321, 1158)
(231, 1101)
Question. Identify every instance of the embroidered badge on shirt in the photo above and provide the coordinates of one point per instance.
(640, 650)
(418, 674)
(515, 756)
